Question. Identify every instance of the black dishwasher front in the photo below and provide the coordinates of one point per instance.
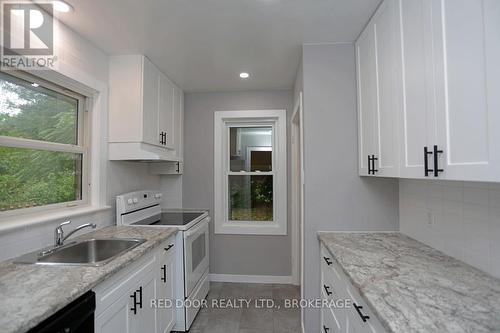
(77, 317)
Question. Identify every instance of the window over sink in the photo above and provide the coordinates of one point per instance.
(43, 145)
(250, 172)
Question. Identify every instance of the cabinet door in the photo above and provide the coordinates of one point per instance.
(418, 121)
(367, 96)
(150, 102)
(165, 290)
(469, 120)
(388, 90)
(116, 317)
(145, 319)
(178, 121)
(166, 111)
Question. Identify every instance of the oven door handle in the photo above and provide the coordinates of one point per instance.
(201, 225)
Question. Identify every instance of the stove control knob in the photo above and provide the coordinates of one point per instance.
(136, 200)
(129, 201)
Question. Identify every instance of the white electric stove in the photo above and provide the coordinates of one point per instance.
(143, 208)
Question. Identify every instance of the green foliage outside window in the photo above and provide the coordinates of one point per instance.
(31, 177)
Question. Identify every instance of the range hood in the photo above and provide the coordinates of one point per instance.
(140, 152)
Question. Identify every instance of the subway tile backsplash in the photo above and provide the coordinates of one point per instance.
(461, 219)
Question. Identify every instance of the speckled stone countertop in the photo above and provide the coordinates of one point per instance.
(31, 293)
(412, 287)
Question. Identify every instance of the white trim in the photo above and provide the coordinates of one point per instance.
(19, 222)
(251, 278)
(297, 218)
(222, 121)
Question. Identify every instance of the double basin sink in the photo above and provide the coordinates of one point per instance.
(88, 252)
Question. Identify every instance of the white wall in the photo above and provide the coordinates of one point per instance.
(461, 219)
(336, 198)
(79, 55)
(229, 254)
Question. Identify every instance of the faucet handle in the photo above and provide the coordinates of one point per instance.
(65, 223)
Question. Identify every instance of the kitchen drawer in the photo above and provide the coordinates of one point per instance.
(328, 264)
(371, 323)
(329, 323)
(166, 250)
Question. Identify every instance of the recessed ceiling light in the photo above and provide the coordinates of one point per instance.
(62, 6)
(244, 75)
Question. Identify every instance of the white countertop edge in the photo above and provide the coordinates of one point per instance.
(18, 222)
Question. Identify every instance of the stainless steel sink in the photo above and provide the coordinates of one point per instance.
(89, 252)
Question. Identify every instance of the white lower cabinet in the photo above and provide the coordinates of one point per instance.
(165, 316)
(124, 301)
(336, 288)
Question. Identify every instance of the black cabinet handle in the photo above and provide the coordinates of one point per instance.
(328, 261)
(178, 167)
(164, 270)
(326, 329)
(134, 307)
(373, 164)
(165, 138)
(327, 290)
(436, 161)
(136, 303)
(369, 165)
(358, 310)
(426, 161)
(168, 247)
(140, 297)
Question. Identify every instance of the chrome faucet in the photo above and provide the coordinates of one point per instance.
(59, 237)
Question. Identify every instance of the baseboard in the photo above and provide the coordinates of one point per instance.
(251, 278)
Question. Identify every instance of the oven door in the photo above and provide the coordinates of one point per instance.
(195, 254)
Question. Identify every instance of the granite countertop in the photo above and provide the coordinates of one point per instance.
(412, 287)
(32, 293)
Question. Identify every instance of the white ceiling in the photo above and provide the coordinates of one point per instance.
(203, 45)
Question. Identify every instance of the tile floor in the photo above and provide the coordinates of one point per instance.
(251, 319)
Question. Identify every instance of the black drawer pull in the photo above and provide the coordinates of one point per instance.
(358, 310)
(373, 164)
(436, 161)
(140, 297)
(164, 270)
(426, 162)
(326, 329)
(328, 261)
(369, 165)
(168, 247)
(327, 290)
(134, 307)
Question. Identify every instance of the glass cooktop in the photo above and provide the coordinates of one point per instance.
(171, 218)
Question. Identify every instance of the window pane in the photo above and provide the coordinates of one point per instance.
(251, 148)
(250, 198)
(36, 113)
(31, 178)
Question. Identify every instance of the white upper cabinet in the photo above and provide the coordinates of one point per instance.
(379, 94)
(418, 111)
(144, 111)
(367, 98)
(468, 122)
(445, 70)
(166, 116)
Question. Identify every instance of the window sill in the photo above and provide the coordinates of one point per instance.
(18, 222)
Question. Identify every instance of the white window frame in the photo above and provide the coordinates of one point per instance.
(82, 147)
(223, 120)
